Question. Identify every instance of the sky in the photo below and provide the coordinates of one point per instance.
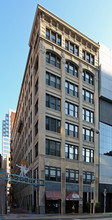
(91, 17)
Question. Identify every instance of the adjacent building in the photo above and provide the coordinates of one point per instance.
(6, 132)
(7, 125)
(2, 188)
(56, 127)
(105, 126)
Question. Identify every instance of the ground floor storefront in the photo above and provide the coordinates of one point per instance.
(53, 202)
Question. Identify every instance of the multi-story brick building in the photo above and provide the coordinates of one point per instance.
(56, 123)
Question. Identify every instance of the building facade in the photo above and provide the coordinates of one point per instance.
(105, 126)
(56, 123)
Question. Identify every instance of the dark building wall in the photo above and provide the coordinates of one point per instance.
(2, 193)
(0, 161)
(108, 187)
(105, 113)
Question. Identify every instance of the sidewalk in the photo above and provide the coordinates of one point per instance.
(53, 216)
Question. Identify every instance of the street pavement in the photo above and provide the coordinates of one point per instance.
(100, 216)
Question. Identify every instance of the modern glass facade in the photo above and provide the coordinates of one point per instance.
(105, 139)
(6, 133)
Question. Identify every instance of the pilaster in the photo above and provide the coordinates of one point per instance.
(63, 180)
(41, 124)
(80, 137)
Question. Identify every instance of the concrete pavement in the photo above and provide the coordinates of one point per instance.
(56, 216)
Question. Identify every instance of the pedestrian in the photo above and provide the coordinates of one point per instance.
(73, 209)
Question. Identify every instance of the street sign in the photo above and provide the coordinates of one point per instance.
(13, 178)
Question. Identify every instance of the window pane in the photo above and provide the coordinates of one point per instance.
(71, 89)
(71, 151)
(71, 109)
(88, 57)
(52, 172)
(76, 50)
(71, 48)
(47, 100)
(58, 104)
(53, 37)
(52, 102)
(53, 60)
(58, 62)
(66, 108)
(52, 81)
(66, 151)
(47, 34)
(71, 130)
(66, 45)
(47, 78)
(71, 69)
(66, 87)
(59, 40)
(58, 126)
(58, 83)
(52, 148)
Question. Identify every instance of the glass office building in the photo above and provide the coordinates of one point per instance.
(105, 127)
(6, 132)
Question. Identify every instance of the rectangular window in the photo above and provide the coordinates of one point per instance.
(71, 109)
(53, 37)
(53, 124)
(71, 151)
(52, 148)
(88, 177)
(71, 130)
(53, 102)
(88, 115)
(88, 155)
(53, 81)
(88, 135)
(88, 57)
(87, 96)
(71, 89)
(72, 176)
(52, 173)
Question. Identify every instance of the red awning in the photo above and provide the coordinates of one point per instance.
(73, 196)
(53, 195)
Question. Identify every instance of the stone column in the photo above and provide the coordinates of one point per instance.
(63, 178)
(41, 124)
(80, 138)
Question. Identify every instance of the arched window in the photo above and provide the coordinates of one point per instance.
(53, 59)
(71, 68)
(88, 77)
